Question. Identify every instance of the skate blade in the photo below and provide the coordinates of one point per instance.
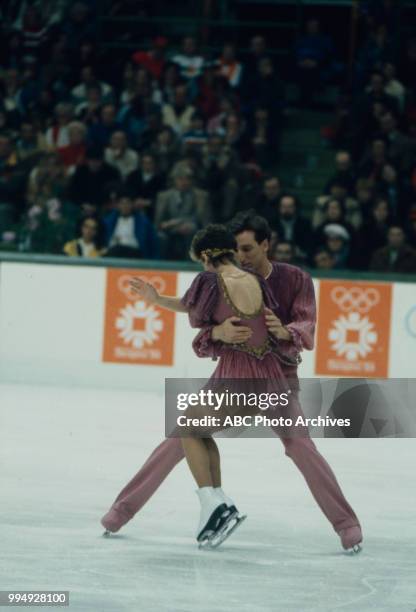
(204, 543)
(107, 533)
(224, 533)
(354, 550)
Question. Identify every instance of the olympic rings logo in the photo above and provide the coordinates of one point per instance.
(355, 299)
(124, 285)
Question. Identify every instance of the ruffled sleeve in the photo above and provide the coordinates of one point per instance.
(201, 299)
(205, 346)
(288, 352)
(303, 313)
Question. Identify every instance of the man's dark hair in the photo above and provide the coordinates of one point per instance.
(250, 221)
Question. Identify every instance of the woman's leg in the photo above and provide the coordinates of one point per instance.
(197, 452)
(214, 462)
(198, 458)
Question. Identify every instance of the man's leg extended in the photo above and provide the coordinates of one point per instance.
(147, 480)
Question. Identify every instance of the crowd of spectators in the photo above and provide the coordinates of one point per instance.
(371, 197)
(129, 158)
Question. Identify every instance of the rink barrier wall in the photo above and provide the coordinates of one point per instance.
(145, 264)
(74, 323)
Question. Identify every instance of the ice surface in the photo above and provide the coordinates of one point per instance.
(66, 453)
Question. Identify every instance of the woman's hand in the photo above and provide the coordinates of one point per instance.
(144, 290)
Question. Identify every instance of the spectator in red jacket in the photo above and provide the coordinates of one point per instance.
(154, 60)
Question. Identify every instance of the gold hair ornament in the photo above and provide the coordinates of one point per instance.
(216, 252)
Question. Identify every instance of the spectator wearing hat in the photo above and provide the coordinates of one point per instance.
(91, 180)
(397, 256)
(180, 212)
(337, 243)
(129, 233)
(333, 211)
(338, 190)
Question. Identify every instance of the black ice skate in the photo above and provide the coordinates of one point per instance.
(228, 525)
(208, 531)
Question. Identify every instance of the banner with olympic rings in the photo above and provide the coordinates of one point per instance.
(353, 335)
(134, 331)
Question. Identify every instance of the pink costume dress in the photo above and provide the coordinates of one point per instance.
(208, 303)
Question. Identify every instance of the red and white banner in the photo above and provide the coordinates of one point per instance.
(353, 335)
(135, 331)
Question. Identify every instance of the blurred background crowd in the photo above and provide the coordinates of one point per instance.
(124, 148)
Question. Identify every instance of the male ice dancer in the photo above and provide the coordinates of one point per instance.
(294, 325)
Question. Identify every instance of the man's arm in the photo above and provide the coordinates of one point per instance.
(299, 333)
(303, 314)
(212, 339)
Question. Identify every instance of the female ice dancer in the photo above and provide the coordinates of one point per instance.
(224, 289)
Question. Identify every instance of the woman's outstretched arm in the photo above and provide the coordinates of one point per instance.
(150, 294)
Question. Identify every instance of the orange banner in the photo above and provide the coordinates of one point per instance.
(137, 332)
(353, 329)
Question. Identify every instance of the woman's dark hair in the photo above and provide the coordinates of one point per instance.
(216, 242)
(99, 237)
(250, 221)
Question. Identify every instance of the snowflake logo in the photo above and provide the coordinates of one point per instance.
(352, 336)
(151, 324)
